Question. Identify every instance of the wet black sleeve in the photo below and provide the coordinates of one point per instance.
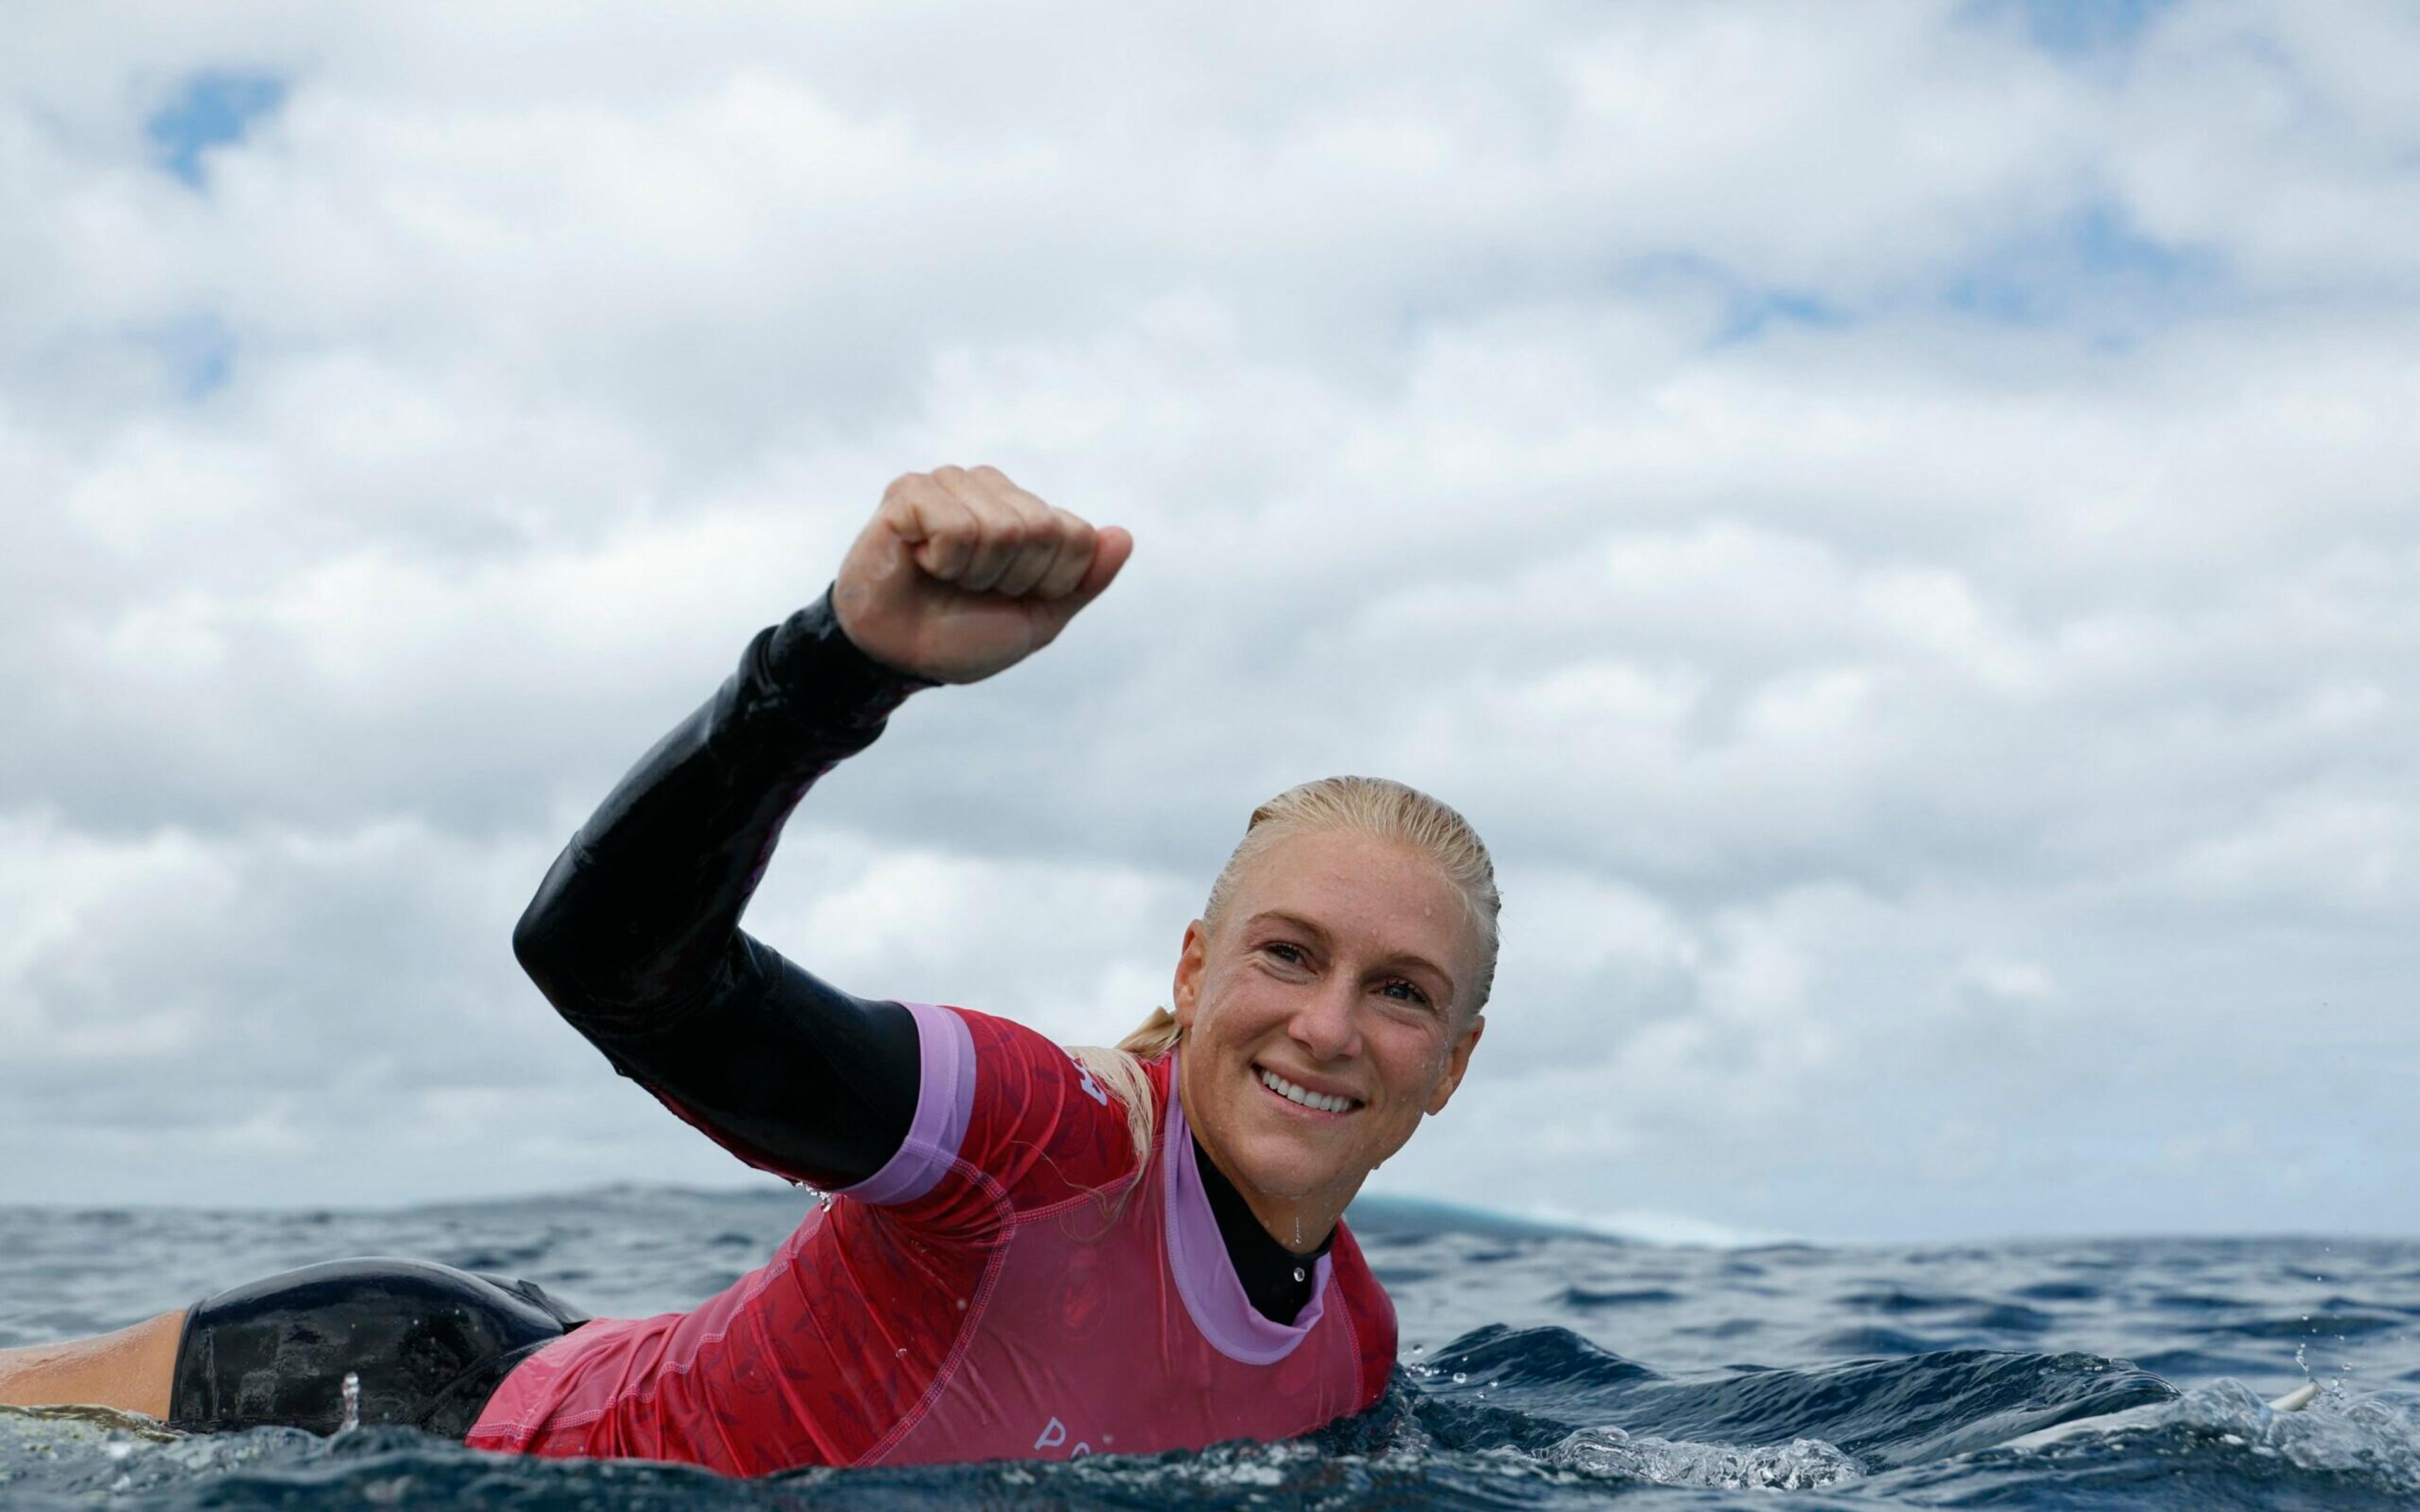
(634, 936)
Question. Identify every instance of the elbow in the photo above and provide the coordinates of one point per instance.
(574, 943)
(543, 939)
(533, 943)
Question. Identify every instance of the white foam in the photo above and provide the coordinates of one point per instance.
(1644, 1226)
(2312, 1428)
(1803, 1464)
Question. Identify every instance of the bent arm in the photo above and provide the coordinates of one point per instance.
(634, 936)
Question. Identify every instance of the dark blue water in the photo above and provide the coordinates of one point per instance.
(1539, 1368)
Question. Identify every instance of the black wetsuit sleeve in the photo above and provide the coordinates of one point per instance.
(634, 936)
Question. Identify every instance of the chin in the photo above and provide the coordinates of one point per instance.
(1285, 1174)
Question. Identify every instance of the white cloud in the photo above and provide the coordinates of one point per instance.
(1900, 538)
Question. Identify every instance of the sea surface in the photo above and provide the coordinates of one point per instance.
(1540, 1367)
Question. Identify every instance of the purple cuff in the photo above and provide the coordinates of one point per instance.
(945, 1093)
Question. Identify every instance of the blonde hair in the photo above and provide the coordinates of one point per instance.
(1377, 806)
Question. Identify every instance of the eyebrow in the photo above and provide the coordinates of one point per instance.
(1398, 957)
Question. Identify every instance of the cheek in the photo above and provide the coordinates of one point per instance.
(1415, 1057)
(1242, 1006)
(1210, 1011)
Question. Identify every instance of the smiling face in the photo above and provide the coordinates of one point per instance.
(1323, 1018)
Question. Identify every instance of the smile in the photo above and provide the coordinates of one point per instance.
(1318, 1102)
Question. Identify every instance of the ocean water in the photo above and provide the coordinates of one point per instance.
(1540, 1367)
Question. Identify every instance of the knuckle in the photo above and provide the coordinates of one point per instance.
(946, 519)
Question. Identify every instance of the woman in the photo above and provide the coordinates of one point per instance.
(1028, 1251)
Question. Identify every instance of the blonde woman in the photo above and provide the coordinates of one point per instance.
(1031, 1251)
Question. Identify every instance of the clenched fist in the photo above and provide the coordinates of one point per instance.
(962, 574)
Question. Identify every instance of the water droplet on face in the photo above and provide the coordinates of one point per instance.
(1459, 1378)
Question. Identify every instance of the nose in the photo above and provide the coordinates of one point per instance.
(1327, 1026)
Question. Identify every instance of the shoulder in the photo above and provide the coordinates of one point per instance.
(1017, 1068)
(1014, 1112)
(1019, 1062)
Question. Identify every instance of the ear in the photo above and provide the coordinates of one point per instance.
(1184, 993)
(1457, 1061)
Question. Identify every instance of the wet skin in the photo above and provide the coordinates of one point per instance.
(130, 1369)
(1339, 966)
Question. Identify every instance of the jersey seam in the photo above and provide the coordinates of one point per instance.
(964, 1339)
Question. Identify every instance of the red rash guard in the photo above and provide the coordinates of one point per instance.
(1008, 1286)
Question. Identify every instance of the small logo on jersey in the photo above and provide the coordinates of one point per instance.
(1092, 1088)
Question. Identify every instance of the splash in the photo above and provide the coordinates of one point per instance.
(2375, 1435)
(84, 1452)
(1799, 1465)
(72, 1422)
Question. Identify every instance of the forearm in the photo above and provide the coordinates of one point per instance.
(639, 910)
(634, 934)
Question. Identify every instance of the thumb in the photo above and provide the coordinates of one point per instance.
(1111, 546)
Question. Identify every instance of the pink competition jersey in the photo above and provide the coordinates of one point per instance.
(1009, 1286)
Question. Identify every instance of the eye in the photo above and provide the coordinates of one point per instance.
(1285, 950)
(1416, 995)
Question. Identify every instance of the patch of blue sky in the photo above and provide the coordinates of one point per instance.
(198, 354)
(210, 110)
(1751, 313)
(2074, 28)
(2093, 272)
(1745, 310)
(2092, 269)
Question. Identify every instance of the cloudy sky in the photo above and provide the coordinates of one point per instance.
(1888, 517)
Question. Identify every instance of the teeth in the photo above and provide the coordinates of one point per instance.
(1309, 1099)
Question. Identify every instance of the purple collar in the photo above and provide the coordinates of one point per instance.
(1205, 1277)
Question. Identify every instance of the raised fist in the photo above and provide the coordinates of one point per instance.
(962, 574)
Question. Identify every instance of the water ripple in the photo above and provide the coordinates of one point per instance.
(1540, 1369)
